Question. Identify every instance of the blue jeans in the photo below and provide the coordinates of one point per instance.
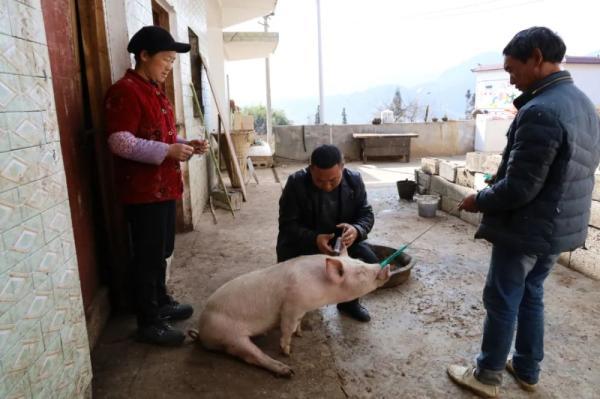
(513, 294)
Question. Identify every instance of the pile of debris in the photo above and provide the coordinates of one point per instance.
(452, 181)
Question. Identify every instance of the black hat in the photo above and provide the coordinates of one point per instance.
(154, 39)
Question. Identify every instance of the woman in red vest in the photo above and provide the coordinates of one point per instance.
(142, 134)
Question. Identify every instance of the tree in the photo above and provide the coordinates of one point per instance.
(318, 115)
(412, 110)
(470, 106)
(259, 112)
(396, 106)
(344, 117)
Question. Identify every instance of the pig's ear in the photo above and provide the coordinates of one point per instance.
(384, 273)
(335, 270)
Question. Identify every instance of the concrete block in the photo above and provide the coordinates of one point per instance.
(595, 214)
(471, 218)
(465, 178)
(596, 193)
(430, 165)
(586, 260)
(448, 170)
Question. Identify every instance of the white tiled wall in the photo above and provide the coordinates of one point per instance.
(43, 341)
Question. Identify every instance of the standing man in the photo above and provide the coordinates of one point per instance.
(316, 202)
(537, 207)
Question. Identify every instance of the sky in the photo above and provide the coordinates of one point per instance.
(376, 42)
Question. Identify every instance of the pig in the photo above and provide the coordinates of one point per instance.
(280, 295)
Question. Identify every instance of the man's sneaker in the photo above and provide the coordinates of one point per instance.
(355, 310)
(160, 333)
(524, 385)
(175, 311)
(465, 377)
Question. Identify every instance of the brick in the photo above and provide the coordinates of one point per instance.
(448, 170)
(595, 216)
(430, 165)
(465, 178)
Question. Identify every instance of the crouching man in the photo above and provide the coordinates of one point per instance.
(318, 201)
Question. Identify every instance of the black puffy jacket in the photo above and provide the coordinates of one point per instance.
(541, 198)
(299, 207)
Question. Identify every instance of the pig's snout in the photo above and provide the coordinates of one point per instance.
(383, 275)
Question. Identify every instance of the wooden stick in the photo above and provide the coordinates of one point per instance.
(236, 165)
(212, 155)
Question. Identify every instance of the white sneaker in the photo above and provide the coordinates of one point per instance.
(465, 377)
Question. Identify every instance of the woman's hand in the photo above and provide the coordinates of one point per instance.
(180, 152)
(200, 146)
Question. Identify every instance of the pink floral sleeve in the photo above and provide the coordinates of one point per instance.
(126, 145)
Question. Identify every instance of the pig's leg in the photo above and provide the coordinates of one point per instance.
(290, 323)
(245, 349)
(298, 332)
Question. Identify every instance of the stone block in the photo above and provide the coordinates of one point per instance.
(423, 179)
(458, 193)
(474, 162)
(448, 170)
(471, 218)
(491, 163)
(430, 165)
(450, 206)
(465, 178)
(439, 186)
(596, 193)
(595, 215)
(483, 162)
(479, 182)
(586, 260)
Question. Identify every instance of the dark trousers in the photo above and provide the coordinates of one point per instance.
(152, 239)
(514, 295)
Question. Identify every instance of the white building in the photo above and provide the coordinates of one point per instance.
(494, 95)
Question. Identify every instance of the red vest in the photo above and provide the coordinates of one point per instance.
(138, 106)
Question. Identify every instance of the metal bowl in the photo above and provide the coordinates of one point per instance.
(400, 267)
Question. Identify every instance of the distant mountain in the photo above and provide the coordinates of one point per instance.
(445, 95)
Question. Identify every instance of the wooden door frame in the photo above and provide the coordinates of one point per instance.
(98, 74)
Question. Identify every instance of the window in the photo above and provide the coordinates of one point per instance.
(196, 66)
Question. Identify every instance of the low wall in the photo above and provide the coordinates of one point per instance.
(435, 138)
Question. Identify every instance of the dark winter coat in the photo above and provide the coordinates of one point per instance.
(299, 212)
(541, 198)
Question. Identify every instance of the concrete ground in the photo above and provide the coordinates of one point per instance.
(417, 329)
